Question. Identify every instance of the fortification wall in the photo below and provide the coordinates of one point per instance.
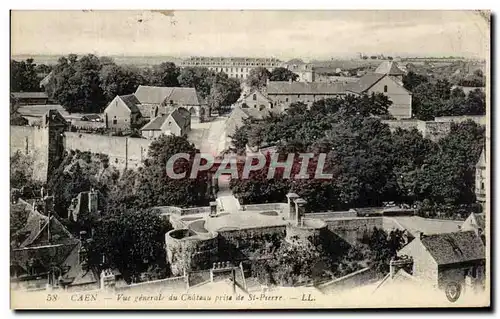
(123, 152)
(311, 230)
(271, 206)
(188, 251)
(247, 241)
(479, 119)
(358, 278)
(22, 138)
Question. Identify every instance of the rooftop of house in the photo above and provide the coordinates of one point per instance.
(416, 224)
(365, 82)
(175, 95)
(40, 110)
(452, 248)
(29, 95)
(287, 87)
(180, 115)
(389, 68)
(131, 101)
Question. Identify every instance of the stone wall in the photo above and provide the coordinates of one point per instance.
(358, 278)
(310, 230)
(123, 152)
(432, 130)
(479, 119)
(352, 230)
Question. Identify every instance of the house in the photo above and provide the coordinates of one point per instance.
(239, 114)
(155, 101)
(44, 253)
(178, 123)
(255, 99)
(480, 182)
(476, 223)
(284, 93)
(29, 98)
(440, 259)
(122, 112)
(388, 80)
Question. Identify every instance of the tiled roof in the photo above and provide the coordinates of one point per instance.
(180, 116)
(455, 247)
(40, 110)
(155, 124)
(389, 68)
(152, 94)
(286, 87)
(364, 83)
(183, 96)
(131, 101)
(29, 95)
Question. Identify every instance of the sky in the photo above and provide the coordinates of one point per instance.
(280, 34)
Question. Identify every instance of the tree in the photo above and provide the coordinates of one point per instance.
(411, 80)
(282, 74)
(75, 84)
(164, 74)
(118, 80)
(198, 78)
(258, 77)
(224, 91)
(131, 241)
(383, 247)
(23, 76)
(326, 106)
(475, 104)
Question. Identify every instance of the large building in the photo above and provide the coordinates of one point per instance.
(234, 67)
(388, 80)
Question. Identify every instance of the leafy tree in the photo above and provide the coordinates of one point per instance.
(131, 241)
(383, 247)
(164, 74)
(258, 77)
(297, 108)
(118, 80)
(282, 74)
(475, 104)
(224, 91)
(21, 170)
(326, 106)
(411, 80)
(75, 84)
(23, 76)
(197, 77)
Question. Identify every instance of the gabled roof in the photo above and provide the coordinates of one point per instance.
(365, 82)
(286, 87)
(130, 101)
(181, 116)
(481, 162)
(152, 94)
(389, 68)
(155, 124)
(455, 247)
(29, 95)
(184, 96)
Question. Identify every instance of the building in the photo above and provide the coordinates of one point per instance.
(155, 101)
(387, 79)
(284, 93)
(122, 112)
(480, 183)
(255, 99)
(45, 254)
(178, 123)
(440, 259)
(476, 223)
(29, 98)
(234, 67)
(305, 71)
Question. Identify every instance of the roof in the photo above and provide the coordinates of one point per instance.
(40, 110)
(46, 79)
(481, 162)
(416, 224)
(76, 274)
(184, 96)
(389, 68)
(180, 115)
(152, 94)
(365, 82)
(455, 247)
(131, 101)
(286, 87)
(30, 95)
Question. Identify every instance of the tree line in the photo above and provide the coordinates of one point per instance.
(370, 164)
(87, 83)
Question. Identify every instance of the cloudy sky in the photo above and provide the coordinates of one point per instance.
(282, 34)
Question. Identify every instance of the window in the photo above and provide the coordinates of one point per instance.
(241, 69)
(286, 100)
(255, 97)
(482, 185)
(115, 121)
(271, 105)
(298, 96)
(385, 88)
(171, 101)
(255, 106)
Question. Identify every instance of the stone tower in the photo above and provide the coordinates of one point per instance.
(49, 145)
(481, 181)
